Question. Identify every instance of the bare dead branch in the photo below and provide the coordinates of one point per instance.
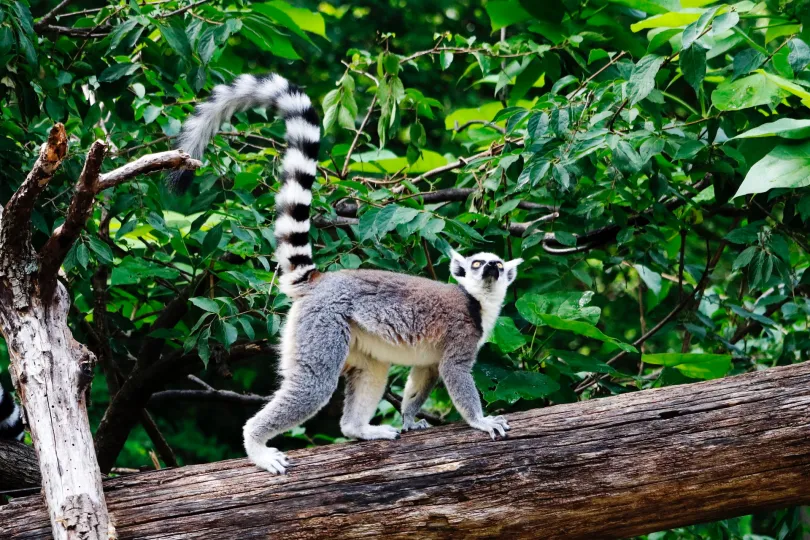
(85, 33)
(161, 444)
(81, 206)
(161, 161)
(48, 17)
(17, 213)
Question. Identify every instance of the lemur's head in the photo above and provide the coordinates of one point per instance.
(483, 273)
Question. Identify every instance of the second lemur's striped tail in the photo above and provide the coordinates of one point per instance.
(11, 426)
(298, 166)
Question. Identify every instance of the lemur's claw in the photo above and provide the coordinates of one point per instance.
(414, 425)
(496, 426)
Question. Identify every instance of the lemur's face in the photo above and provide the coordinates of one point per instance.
(483, 271)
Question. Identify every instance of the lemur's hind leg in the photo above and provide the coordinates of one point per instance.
(421, 381)
(365, 385)
(312, 357)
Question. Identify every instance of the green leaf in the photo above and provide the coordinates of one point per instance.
(799, 56)
(725, 22)
(693, 65)
(642, 79)
(666, 20)
(751, 91)
(525, 385)
(116, 71)
(532, 311)
(744, 235)
(579, 362)
(691, 32)
(120, 32)
(506, 335)
(101, 249)
(206, 304)
(504, 13)
(28, 48)
(696, 366)
(747, 61)
(650, 278)
(787, 128)
(445, 59)
(83, 255)
(308, 21)
(177, 40)
(783, 167)
(744, 258)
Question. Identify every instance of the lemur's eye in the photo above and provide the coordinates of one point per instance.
(476, 264)
(500, 266)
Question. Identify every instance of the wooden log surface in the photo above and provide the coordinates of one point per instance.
(605, 468)
(19, 468)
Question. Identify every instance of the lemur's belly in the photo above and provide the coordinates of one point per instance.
(422, 354)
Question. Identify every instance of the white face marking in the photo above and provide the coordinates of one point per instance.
(486, 277)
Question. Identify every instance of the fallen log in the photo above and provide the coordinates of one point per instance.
(605, 468)
(19, 468)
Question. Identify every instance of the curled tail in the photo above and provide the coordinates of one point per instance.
(11, 426)
(299, 165)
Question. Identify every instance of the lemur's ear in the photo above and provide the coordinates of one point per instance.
(458, 264)
(511, 269)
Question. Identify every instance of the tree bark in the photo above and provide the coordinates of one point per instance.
(606, 468)
(19, 468)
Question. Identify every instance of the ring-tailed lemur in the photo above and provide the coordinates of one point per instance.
(11, 426)
(354, 321)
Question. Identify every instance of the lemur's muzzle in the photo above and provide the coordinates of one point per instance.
(491, 270)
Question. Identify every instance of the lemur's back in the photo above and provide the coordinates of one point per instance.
(397, 307)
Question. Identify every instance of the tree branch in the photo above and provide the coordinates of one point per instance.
(345, 169)
(51, 14)
(81, 206)
(17, 214)
(161, 161)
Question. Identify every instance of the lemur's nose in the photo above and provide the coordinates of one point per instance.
(492, 263)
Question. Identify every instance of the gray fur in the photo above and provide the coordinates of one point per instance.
(329, 327)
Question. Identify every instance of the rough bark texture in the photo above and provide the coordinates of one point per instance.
(606, 468)
(53, 372)
(19, 468)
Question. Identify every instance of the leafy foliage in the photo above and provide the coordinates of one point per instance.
(618, 146)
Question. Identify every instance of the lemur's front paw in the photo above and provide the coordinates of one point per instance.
(412, 425)
(494, 425)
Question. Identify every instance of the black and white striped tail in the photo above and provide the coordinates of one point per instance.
(293, 201)
(11, 426)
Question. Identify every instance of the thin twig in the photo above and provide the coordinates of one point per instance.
(182, 9)
(345, 169)
(391, 398)
(429, 261)
(51, 14)
(458, 128)
(582, 85)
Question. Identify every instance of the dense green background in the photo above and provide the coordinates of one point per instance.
(664, 131)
